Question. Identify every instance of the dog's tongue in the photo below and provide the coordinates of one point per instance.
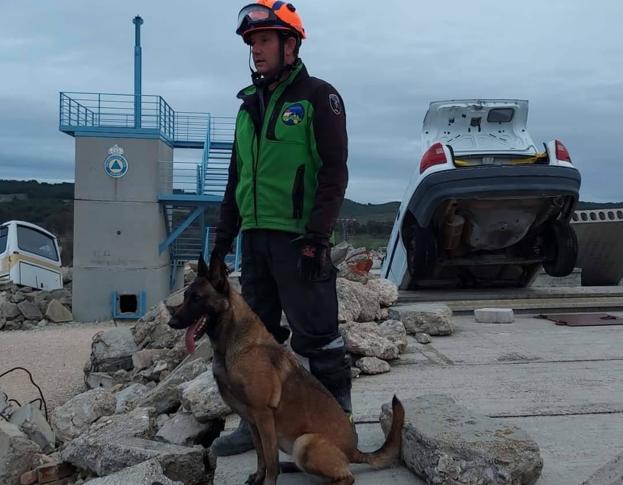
(190, 336)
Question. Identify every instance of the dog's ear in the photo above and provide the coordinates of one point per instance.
(217, 275)
(202, 269)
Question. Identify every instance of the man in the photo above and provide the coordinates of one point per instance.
(287, 179)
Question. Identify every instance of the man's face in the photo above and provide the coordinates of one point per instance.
(265, 51)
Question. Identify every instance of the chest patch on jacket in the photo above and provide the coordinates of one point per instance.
(293, 114)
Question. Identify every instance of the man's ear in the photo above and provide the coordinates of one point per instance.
(202, 269)
(217, 275)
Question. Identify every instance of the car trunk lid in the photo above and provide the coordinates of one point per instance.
(476, 128)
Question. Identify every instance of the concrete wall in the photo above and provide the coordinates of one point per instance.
(600, 256)
(118, 224)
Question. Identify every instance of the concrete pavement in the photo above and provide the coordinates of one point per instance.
(562, 385)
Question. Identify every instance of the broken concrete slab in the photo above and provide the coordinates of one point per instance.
(365, 339)
(423, 338)
(76, 415)
(183, 429)
(430, 318)
(349, 307)
(119, 441)
(30, 310)
(165, 396)
(372, 365)
(448, 443)
(494, 315)
(147, 473)
(386, 290)
(395, 332)
(145, 358)
(112, 350)
(58, 313)
(153, 332)
(9, 310)
(17, 453)
(609, 474)
(33, 424)
(128, 396)
(202, 397)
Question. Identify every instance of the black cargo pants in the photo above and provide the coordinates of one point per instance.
(271, 283)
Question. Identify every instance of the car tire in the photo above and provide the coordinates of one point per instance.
(422, 252)
(561, 245)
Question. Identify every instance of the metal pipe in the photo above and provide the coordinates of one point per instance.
(138, 57)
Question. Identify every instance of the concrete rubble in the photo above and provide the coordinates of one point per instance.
(75, 416)
(154, 409)
(202, 398)
(445, 443)
(365, 339)
(431, 318)
(17, 453)
(372, 365)
(147, 473)
(24, 308)
(122, 441)
(494, 315)
(34, 425)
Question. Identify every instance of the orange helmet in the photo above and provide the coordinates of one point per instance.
(270, 15)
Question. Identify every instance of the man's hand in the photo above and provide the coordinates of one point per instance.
(314, 260)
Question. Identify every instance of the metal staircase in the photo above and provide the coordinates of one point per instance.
(198, 187)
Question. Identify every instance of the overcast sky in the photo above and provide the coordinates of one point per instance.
(388, 59)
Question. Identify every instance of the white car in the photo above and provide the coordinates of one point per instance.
(484, 207)
(29, 256)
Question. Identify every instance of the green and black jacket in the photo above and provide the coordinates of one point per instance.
(288, 166)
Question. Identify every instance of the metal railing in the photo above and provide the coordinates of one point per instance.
(104, 110)
(100, 112)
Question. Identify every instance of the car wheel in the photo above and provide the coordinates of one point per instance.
(422, 252)
(561, 248)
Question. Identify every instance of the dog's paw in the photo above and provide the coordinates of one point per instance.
(256, 478)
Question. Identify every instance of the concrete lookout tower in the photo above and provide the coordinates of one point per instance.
(138, 215)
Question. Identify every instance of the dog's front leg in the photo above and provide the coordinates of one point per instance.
(257, 478)
(265, 423)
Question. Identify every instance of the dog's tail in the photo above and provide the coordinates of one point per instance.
(390, 451)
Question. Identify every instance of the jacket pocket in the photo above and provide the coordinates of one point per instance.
(298, 193)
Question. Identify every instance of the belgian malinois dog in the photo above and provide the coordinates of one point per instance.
(264, 383)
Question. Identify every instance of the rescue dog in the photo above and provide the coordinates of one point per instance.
(264, 383)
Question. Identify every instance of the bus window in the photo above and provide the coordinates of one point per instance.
(4, 232)
(36, 242)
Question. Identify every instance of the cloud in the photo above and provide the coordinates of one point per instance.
(388, 61)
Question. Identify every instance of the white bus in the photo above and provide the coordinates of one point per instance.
(29, 256)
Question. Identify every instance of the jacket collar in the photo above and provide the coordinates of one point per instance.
(298, 73)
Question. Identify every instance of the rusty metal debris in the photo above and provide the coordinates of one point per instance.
(584, 319)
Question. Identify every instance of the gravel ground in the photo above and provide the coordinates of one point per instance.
(54, 355)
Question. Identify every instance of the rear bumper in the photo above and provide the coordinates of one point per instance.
(492, 183)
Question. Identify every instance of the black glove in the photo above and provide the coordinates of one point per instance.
(314, 260)
(221, 250)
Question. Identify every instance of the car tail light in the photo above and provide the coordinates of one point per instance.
(435, 155)
(562, 153)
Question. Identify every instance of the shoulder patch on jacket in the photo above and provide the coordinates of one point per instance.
(335, 103)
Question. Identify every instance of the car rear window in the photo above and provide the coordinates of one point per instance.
(36, 242)
(500, 115)
(4, 232)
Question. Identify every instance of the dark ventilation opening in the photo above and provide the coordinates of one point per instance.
(128, 304)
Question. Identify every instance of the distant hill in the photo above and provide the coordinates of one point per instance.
(365, 212)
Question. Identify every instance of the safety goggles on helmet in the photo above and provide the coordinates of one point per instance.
(256, 16)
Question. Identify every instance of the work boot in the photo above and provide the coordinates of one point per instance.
(238, 441)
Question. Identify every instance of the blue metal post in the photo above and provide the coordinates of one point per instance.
(137, 21)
